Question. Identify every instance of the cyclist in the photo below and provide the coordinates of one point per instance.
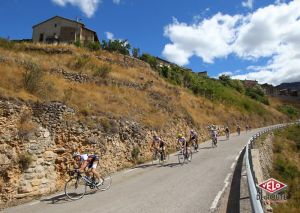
(182, 142)
(227, 132)
(88, 163)
(194, 139)
(159, 146)
(238, 129)
(214, 135)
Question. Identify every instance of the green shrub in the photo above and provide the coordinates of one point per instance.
(32, 78)
(135, 52)
(289, 110)
(149, 59)
(93, 46)
(77, 44)
(285, 168)
(81, 62)
(103, 71)
(135, 153)
(120, 46)
(25, 160)
(6, 44)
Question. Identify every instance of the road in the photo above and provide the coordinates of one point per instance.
(193, 187)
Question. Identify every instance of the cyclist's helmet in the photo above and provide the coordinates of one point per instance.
(179, 136)
(155, 137)
(192, 131)
(75, 154)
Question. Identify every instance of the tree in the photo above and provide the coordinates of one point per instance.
(135, 52)
(149, 59)
(120, 46)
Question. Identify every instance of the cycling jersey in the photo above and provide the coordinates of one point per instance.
(159, 141)
(92, 160)
(194, 136)
(182, 141)
(214, 133)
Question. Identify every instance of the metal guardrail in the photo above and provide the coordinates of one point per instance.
(256, 204)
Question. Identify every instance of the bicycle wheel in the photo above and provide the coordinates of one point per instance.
(196, 146)
(106, 181)
(181, 157)
(154, 157)
(75, 188)
(189, 155)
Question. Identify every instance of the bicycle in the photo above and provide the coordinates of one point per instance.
(227, 135)
(185, 154)
(76, 186)
(214, 142)
(161, 156)
(195, 145)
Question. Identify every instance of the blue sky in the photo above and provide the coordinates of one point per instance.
(236, 37)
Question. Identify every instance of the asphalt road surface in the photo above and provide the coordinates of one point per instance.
(193, 187)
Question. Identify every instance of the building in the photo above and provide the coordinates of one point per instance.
(162, 62)
(60, 29)
(269, 89)
(250, 83)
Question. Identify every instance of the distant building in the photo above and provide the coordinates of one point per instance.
(250, 83)
(60, 29)
(162, 62)
(269, 89)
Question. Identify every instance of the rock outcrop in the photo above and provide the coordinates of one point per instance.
(38, 139)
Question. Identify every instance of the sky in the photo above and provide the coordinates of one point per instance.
(246, 39)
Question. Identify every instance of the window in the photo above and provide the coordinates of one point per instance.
(55, 25)
(41, 37)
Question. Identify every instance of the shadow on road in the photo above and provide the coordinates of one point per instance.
(62, 198)
(144, 166)
(208, 147)
(171, 165)
(58, 199)
(233, 204)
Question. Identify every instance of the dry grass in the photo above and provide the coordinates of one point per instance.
(89, 98)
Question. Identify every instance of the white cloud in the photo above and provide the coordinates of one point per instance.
(116, 1)
(248, 4)
(271, 32)
(109, 35)
(88, 7)
(196, 39)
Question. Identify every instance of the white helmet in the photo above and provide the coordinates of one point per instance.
(75, 154)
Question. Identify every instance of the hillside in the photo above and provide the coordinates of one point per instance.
(55, 100)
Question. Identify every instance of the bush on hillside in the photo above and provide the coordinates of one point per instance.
(4, 43)
(149, 59)
(25, 160)
(289, 110)
(103, 71)
(93, 46)
(136, 52)
(32, 78)
(120, 46)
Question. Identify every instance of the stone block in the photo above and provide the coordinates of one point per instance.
(35, 182)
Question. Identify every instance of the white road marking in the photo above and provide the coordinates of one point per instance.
(34, 203)
(232, 165)
(237, 157)
(130, 170)
(217, 198)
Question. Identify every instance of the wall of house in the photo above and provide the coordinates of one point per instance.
(87, 35)
(49, 30)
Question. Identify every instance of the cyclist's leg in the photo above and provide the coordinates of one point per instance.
(93, 169)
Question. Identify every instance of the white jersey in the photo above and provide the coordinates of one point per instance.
(83, 157)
